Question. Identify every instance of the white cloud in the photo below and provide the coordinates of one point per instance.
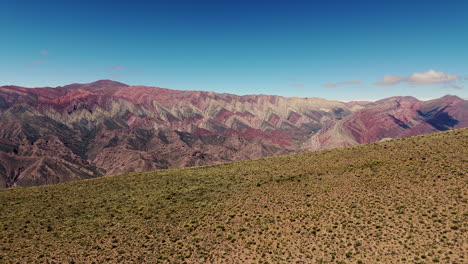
(431, 76)
(418, 78)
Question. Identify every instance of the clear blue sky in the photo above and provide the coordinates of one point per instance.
(331, 49)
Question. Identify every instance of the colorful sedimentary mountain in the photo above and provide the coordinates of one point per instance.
(390, 118)
(50, 135)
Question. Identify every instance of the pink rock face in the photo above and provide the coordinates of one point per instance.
(274, 119)
(50, 135)
(223, 115)
(294, 117)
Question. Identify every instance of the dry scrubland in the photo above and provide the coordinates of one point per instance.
(399, 201)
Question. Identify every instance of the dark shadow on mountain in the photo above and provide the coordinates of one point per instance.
(442, 121)
(399, 122)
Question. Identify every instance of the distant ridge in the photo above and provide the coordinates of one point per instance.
(80, 131)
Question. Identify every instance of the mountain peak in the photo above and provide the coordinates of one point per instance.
(97, 86)
(452, 97)
(107, 82)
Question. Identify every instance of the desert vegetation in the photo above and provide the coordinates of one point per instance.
(397, 201)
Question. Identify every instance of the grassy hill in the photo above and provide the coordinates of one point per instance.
(399, 201)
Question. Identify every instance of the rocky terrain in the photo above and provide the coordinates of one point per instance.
(392, 118)
(79, 131)
(396, 201)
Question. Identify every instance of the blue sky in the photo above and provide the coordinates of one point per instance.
(332, 49)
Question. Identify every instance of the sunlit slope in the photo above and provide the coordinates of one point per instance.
(390, 202)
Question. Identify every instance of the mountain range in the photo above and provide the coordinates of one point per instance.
(78, 131)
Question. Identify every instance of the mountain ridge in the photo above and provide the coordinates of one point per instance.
(106, 127)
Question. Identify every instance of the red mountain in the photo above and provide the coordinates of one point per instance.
(393, 117)
(50, 135)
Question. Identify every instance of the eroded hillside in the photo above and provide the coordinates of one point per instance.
(80, 131)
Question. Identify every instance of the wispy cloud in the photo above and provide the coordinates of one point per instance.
(116, 68)
(116, 75)
(456, 87)
(389, 80)
(295, 82)
(419, 78)
(37, 62)
(333, 85)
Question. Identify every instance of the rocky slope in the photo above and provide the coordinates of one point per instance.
(50, 135)
(394, 117)
(371, 203)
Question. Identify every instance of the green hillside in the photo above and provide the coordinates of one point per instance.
(399, 201)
